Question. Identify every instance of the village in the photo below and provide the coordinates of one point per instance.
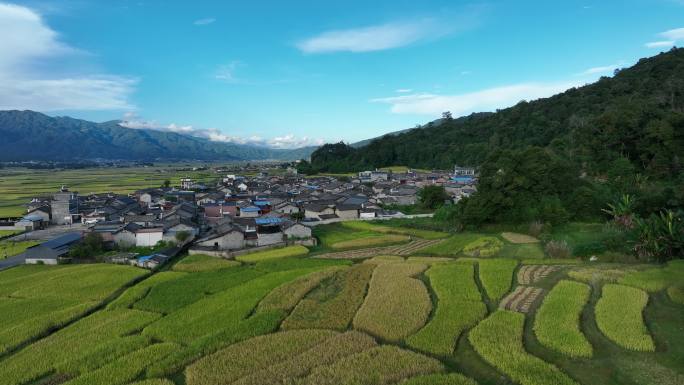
(237, 215)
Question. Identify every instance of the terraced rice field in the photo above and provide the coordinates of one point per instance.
(407, 249)
(531, 274)
(391, 318)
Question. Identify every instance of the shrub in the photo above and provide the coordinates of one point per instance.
(557, 323)
(536, 229)
(459, 306)
(558, 249)
(483, 247)
(334, 302)
(496, 276)
(619, 317)
(283, 252)
(377, 366)
(198, 262)
(499, 340)
(396, 305)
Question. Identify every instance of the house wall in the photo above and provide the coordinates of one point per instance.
(270, 239)
(406, 199)
(298, 231)
(316, 214)
(249, 214)
(289, 209)
(348, 214)
(367, 215)
(124, 239)
(148, 239)
(229, 241)
(45, 261)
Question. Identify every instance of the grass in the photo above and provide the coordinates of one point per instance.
(619, 317)
(6, 233)
(12, 248)
(557, 322)
(283, 252)
(522, 251)
(597, 275)
(376, 366)
(367, 226)
(496, 276)
(552, 261)
(324, 353)
(198, 262)
(676, 294)
(483, 247)
(37, 299)
(331, 234)
(459, 306)
(499, 340)
(440, 379)
(74, 344)
(383, 240)
(397, 305)
(334, 302)
(518, 238)
(244, 358)
(656, 279)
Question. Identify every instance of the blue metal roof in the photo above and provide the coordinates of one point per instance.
(63, 240)
(268, 221)
(250, 209)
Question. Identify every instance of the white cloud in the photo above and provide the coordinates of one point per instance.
(660, 44)
(204, 21)
(600, 70)
(674, 34)
(372, 38)
(27, 41)
(403, 90)
(226, 72)
(463, 104)
(131, 120)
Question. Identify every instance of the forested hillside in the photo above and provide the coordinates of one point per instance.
(638, 115)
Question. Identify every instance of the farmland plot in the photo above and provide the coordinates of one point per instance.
(531, 274)
(459, 307)
(619, 317)
(198, 262)
(499, 340)
(333, 303)
(497, 276)
(557, 323)
(397, 305)
(283, 252)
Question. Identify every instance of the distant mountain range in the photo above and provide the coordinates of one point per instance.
(30, 135)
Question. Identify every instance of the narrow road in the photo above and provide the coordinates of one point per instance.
(12, 261)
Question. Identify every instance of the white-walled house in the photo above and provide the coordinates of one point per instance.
(148, 237)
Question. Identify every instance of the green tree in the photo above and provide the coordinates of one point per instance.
(433, 196)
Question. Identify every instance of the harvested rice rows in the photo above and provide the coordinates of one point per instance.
(519, 238)
(333, 303)
(619, 317)
(496, 276)
(403, 250)
(499, 340)
(382, 240)
(531, 274)
(459, 307)
(521, 299)
(557, 323)
(397, 305)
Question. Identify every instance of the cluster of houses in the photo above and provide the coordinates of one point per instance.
(239, 213)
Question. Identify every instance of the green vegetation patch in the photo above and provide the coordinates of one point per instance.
(36, 299)
(244, 358)
(283, 252)
(459, 306)
(453, 245)
(656, 279)
(198, 262)
(552, 261)
(333, 303)
(66, 350)
(619, 316)
(595, 275)
(483, 247)
(519, 238)
(286, 296)
(499, 340)
(136, 293)
(522, 251)
(676, 294)
(12, 248)
(397, 305)
(425, 234)
(557, 323)
(496, 276)
(383, 240)
(377, 366)
(440, 379)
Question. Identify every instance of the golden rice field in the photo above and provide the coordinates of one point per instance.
(284, 316)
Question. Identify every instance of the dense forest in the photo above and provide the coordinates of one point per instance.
(567, 157)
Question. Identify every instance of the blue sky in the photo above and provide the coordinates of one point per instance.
(291, 73)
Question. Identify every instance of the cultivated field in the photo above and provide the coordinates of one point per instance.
(429, 315)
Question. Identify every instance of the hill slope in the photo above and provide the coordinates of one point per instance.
(29, 135)
(638, 114)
